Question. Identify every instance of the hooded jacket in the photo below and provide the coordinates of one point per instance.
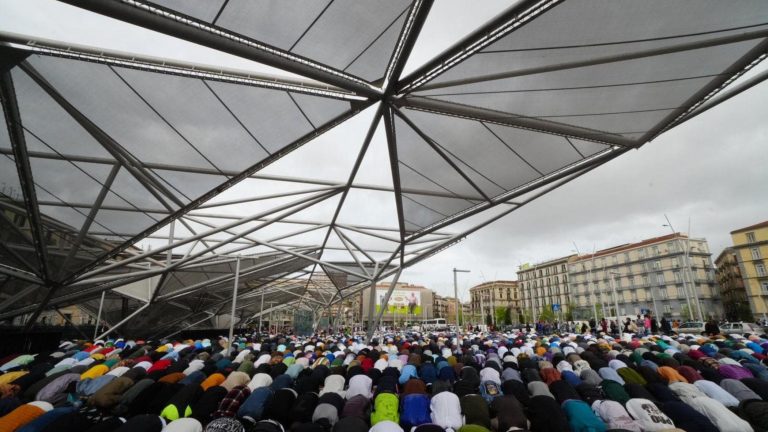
(716, 412)
(717, 393)
(109, 395)
(253, 407)
(127, 398)
(507, 412)
(545, 415)
(445, 410)
(581, 418)
(359, 385)
(615, 416)
(54, 392)
(385, 407)
(738, 390)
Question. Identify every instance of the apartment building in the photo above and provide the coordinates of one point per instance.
(751, 247)
(670, 276)
(544, 286)
(731, 284)
(488, 296)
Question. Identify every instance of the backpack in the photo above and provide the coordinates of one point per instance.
(415, 410)
(385, 407)
(489, 390)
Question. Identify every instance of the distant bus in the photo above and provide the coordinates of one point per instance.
(436, 324)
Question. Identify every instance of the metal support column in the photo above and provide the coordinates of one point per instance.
(372, 301)
(616, 303)
(261, 308)
(116, 326)
(458, 303)
(234, 304)
(98, 317)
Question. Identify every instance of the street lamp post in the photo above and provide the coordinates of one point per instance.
(687, 271)
(456, 296)
(616, 303)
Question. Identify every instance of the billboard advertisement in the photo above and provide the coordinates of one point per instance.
(402, 302)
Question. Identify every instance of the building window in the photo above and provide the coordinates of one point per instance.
(764, 286)
(657, 265)
(641, 253)
(655, 251)
(756, 253)
(678, 277)
(663, 293)
(750, 237)
(615, 259)
(760, 269)
(667, 308)
(660, 278)
(626, 257)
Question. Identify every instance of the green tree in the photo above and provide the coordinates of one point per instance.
(508, 319)
(547, 314)
(500, 313)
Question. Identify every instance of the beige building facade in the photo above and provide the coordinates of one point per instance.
(729, 280)
(544, 287)
(751, 247)
(445, 307)
(487, 297)
(655, 275)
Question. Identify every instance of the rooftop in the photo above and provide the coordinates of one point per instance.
(751, 227)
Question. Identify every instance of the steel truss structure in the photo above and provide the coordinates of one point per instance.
(131, 186)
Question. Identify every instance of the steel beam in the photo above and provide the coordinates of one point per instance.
(439, 150)
(229, 173)
(123, 157)
(26, 182)
(733, 72)
(624, 56)
(417, 15)
(171, 67)
(311, 200)
(123, 321)
(105, 188)
(226, 185)
(550, 187)
(10, 301)
(173, 24)
(394, 161)
(506, 119)
(508, 21)
(565, 172)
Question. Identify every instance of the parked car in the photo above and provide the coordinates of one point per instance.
(740, 328)
(694, 327)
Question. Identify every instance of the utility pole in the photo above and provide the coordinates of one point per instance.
(616, 303)
(234, 305)
(458, 303)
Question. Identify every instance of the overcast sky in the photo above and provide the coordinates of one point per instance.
(713, 169)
